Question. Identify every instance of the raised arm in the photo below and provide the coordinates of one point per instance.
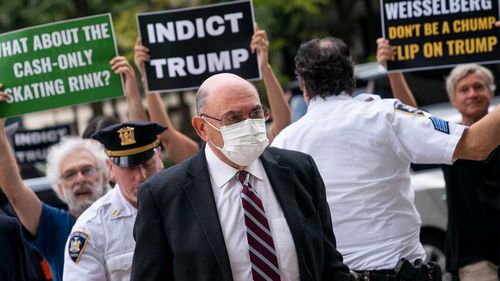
(400, 89)
(177, 145)
(25, 202)
(120, 65)
(481, 138)
(280, 109)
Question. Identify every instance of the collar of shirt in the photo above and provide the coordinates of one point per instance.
(318, 101)
(221, 172)
(120, 206)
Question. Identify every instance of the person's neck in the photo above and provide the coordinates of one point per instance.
(74, 213)
(469, 120)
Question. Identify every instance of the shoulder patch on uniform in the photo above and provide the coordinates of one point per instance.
(440, 124)
(77, 242)
(404, 108)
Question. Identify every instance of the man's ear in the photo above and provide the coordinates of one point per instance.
(451, 98)
(492, 94)
(60, 191)
(200, 127)
(109, 164)
(303, 88)
(111, 170)
(105, 180)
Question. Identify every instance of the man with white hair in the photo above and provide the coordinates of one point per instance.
(78, 173)
(472, 187)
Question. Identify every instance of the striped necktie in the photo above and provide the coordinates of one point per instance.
(260, 241)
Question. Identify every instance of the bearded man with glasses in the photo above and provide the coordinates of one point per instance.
(78, 173)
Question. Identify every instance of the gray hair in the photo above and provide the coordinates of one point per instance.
(68, 145)
(459, 72)
(203, 93)
(201, 100)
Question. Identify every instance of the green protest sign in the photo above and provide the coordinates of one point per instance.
(58, 64)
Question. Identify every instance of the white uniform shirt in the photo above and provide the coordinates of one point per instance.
(227, 193)
(102, 241)
(363, 147)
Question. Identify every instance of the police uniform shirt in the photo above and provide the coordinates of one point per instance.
(363, 147)
(101, 244)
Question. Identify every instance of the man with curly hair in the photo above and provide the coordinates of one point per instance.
(363, 147)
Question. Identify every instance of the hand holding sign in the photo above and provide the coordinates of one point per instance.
(260, 42)
(385, 51)
(3, 97)
(141, 55)
(120, 65)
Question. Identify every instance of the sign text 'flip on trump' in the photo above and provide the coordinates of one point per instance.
(440, 33)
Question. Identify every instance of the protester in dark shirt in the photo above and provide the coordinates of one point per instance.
(18, 261)
(78, 174)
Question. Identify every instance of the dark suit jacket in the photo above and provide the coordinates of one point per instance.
(178, 231)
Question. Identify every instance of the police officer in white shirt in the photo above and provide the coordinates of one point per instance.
(363, 147)
(101, 244)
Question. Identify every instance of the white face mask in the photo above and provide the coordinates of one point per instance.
(244, 141)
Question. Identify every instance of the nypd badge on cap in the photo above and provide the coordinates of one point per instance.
(130, 143)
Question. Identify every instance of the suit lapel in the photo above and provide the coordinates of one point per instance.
(283, 184)
(281, 179)
(199, 193)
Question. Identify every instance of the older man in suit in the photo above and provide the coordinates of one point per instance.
(237, 210)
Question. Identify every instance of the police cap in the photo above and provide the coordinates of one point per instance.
(130, 143)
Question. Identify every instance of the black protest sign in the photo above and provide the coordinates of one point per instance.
(189, 45)
(31, 146)
(440, 33)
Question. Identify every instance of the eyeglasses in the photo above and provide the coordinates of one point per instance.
(231, 118)
(87, 172)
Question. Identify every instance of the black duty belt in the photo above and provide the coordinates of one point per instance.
(374, 275)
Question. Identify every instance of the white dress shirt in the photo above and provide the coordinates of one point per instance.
(227, 193)
(363, 147)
